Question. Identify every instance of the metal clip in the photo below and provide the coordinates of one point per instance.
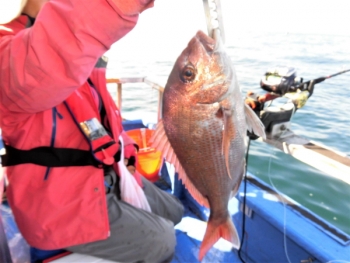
(213, 17)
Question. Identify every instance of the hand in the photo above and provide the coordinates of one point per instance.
(130, 161)
(131, 168)
(256, 102)
(130, 157)
(252, 100)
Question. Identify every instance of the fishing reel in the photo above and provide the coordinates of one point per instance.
(280, 80)
(284, 81)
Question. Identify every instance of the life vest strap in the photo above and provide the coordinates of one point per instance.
(49, 157)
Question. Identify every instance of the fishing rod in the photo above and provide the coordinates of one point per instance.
(306, 85)
(283, 80)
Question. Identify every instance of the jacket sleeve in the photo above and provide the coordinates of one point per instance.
(42, 65)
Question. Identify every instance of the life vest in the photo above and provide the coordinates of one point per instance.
(104, 150)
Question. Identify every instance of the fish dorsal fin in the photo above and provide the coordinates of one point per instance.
(228, 133)
(160, 141)
(253, 122)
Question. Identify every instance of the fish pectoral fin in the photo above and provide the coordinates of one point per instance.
(226, 230)
(160, 142)
(254, 124)
(158, 135)
(227, 134)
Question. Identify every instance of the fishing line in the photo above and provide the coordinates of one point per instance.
(244, 201)
(282, 199)
(284, 211)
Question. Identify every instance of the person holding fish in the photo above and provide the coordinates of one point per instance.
(65, 144)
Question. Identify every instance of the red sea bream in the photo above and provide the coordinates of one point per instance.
(203, 131)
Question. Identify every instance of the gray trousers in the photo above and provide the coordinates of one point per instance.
(138, 235)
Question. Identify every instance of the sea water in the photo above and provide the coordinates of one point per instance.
(324, 119)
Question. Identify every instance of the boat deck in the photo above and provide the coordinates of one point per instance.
(188, 234)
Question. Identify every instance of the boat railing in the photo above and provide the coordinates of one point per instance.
(119, 86)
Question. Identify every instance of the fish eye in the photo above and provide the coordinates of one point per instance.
(188, 73)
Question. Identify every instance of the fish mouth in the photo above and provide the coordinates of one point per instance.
(210, 44)
(207, 42)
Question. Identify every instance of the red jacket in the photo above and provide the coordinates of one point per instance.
(40, 67)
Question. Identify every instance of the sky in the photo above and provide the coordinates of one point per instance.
(164, 30)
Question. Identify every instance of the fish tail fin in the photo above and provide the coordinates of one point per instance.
(214, 232)
(253, 122)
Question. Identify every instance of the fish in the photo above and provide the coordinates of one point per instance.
(203, 131)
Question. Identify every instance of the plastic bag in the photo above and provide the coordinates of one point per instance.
(13, 247)
(131, 192)
(19, 248)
